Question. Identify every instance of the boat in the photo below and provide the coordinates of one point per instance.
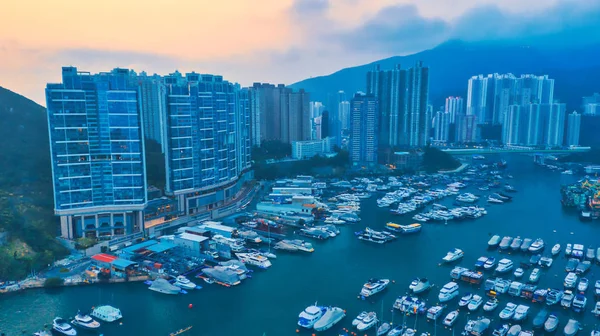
(359, 318)
(477, 327)
(300, 245)
(583, 285)
(526, 244)
(368, 322)
(450, 319)
(590, 254)
(434, 312)
(494, 200)
(516, 243)
(521, 312)
(332, 316)
(409, 332)
(421, 286)
(453, 255)
(540, 318)
(373, 236)
(526, 333)
(515, 288)
(494, 241)
(569, 250)
(579, 303)
(208, 280)
(42, 333)
(596, 310)
(310, 315)
(572, 327)
(475, 302)
(570, 280)
(519, 272)
(572, 264)
(410, 305)
(597, 288)
(490, 304)
(577, 251)
(501, 330)
(107, 313)
(448, 292)
(397, 331)
(183, 282)
(554, 296)
(598, 255)
(404, 229)
(595, 332)
(509, 188)
(163, 286)
(480, 262)
(555, 249)
(504, 265)
(61, 326)
(537, 245)
(254, 259)
(535, 259)
(567, 299)
(85, 321)
(374, 286)
(383, 329)
(545, 262)
(535, 275)
(551, 323)
(502, 286)
(508, 311)
(457, 272)
(489, 263)
(515, 330)
(489, 284)
(465, 300)
(505, 243)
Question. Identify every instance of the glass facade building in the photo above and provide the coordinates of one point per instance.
(97, 152)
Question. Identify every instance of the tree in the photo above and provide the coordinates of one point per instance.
(435, 160)
(53, 282)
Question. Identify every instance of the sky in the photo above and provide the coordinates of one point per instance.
(246, 41)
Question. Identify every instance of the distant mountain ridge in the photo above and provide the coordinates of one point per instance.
(451, 64)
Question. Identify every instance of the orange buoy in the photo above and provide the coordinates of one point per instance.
(297, 330)
(190, 306)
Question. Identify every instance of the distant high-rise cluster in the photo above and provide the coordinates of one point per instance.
(591, 105)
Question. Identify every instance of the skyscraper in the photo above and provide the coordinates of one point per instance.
(295, 115)
(344, 115)
(265, 111)
(556, 125)
(363, 130)
(574, 126)
(204, 117)
(591, 105)
(418, 96)
(535, 117)
(97, 152)
(466, 128)
(316, 109)
(441, 126)
(454, 106)
(513, 125)
(152, 94)
(325, 125)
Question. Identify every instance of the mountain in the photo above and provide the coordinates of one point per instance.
(451, 64)
(26, 202)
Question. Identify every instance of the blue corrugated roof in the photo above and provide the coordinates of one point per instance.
(161, 247)
(122, 263)
(133, 248)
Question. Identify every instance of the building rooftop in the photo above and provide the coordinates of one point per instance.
(103, 257)
(161, 247)
(140, 246)
(217, 226)
(122, 263)
(192, 237)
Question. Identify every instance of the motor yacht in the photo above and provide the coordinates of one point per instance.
(519, 272)
(368, 322)
(374, 286)
(450, 319)
(434, 312)
(183, 282)
(310, 315)
(567, 299)
(332, 316)
(515, 330)
(535, 259)
(421, 286)
(475, 302)
(453, 255)
(490, 304)
(85, 321)
(489, 263)
(577, 251)
(465, 299)
(494, 241)
(590, 254)
(516, 243)
(508, 311)
(554, 296)
(383, 329)
(163, 286)
(579, 303)
(506, 242)
(596, 310)
(502, 286)
(61, 326)
(555, 249)
(597, 288)
(570, 280)
(545, 262)
(397, 331)
(504, 265)
(583, 267)
(480, 262)
(583, 284)
(526, 244)
(535, 275)
(107, 313)
(572, 327)
(571, 265)
(537, 246)
(551, 323)
(521, 312)
(448, 292)
(501, 330)
(42, 333)
(359, 318)
(515, 288)
(569, 249)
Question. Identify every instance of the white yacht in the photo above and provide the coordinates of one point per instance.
(107, 313)
(570, 280)
(465, 300)
(448, 292)
(508, 311)
(368, 322)
(519, 272)
(453, 255)
(537, 245)
(521, 312)
(62, 327)
(535, 275)
(332, 316)
(254, 259)
(475, 302)
(451, 318)
(490, 304)
(183, 282)
(310, 315)
(236, 245)
(85, 321)
(504, 265)
(163, 286)
(374, 286)
(556, 249)
(359, 318)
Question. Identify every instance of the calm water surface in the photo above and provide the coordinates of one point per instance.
(270, 301)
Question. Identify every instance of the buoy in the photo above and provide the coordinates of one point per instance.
(190, 306)
(297, 330)
(314, 334)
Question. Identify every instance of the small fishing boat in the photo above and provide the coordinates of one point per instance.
(572, 327)
(555, 249)
(383, 329)
(515, 330)
(519, 272)
(494, 241)
(526, 244)
(505, 242)
(551, 323)
(516, 243)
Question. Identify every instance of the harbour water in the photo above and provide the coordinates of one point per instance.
(270, 302)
